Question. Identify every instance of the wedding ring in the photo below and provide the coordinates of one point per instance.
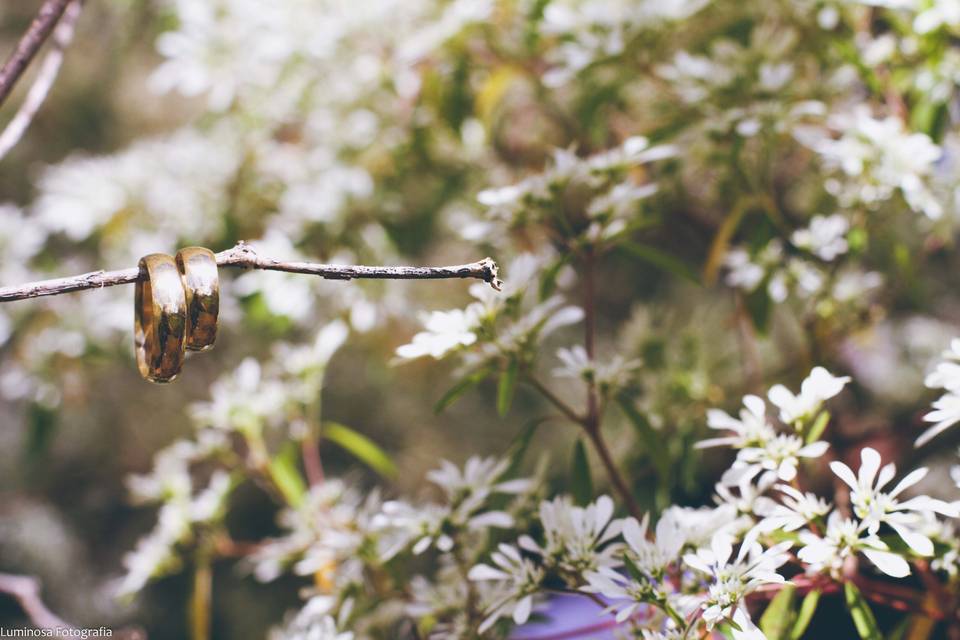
(201, 285)
(160, 318)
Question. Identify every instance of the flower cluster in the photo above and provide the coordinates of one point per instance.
(685, 196)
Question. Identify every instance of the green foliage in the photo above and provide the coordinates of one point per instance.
(361, 447)
(863, 618)
(581, 483)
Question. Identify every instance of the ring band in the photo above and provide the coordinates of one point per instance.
(201, 285)
(160, 318)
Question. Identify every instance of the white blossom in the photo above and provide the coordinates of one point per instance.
(881, 156)
(825, 236)
(779, 455)
(818, 387)
(730, 581)
(445, 331)
(875, 507)
(577, 539)
(844, 538)
(519, 581)
(794, 511)
(751, 429)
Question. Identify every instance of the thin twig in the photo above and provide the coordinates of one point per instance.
(201, 598)
(26, 591)
(62, 37)
(592, 422)
(553, 399)
(29, 44)
(243, 255)
(312, 464)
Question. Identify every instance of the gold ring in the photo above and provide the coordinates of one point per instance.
(160, 318)
(201, 284)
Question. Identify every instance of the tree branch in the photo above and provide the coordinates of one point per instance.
(62, 37)
(592, 422)
(26, 591)
(243, 255)
(29, 44)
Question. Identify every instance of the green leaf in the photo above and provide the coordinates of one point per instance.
(915, 627)
(652, 440)
(860, 611)
(759, 306)
(721, 241)
(581, 484)
(507, 386)
(361, 447)
(41, 427)
(661, 260)
(520, 445)
(633, 570)
(818, 426)
(548, 279)
(777, 619)
(461, 387)
(807, 608)
(286, 475)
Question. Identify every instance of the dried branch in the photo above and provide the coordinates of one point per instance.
(29, 44)
(243, 255)
(26, 591)
(62, 37)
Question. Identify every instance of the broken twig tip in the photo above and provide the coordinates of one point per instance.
(492, 273)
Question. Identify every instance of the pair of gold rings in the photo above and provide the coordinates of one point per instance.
(177, 302)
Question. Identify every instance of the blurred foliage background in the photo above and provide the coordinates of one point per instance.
(363, 133)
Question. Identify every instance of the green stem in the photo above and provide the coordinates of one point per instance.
(200, 600)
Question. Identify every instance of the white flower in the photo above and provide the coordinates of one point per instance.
(311, 357)
(742, 272)
(752, 428)
(312, 622)
(780, 454)
(324, 535)
(936, 14)
(731, 581)
(480, 476)
(616, 586)
(881, 156)
(621, 200)
(576, 363)
(651, 558)
(844, 538)
(824, 236)
(501, 197)
(698, 526)
(875, 507)
(445, 331)
(155, 553)
(520, 580)
(423, 525)
(468, 490)
(609, 376)
(819, 386)
(947, 372)
(946, 409)
(796, 510)
(577, 539)
(242, 400)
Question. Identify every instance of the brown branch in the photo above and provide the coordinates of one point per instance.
(243, 255)
(62, 37)
(29, 44)
(26, 591)
(593, 419)
(553, 399)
